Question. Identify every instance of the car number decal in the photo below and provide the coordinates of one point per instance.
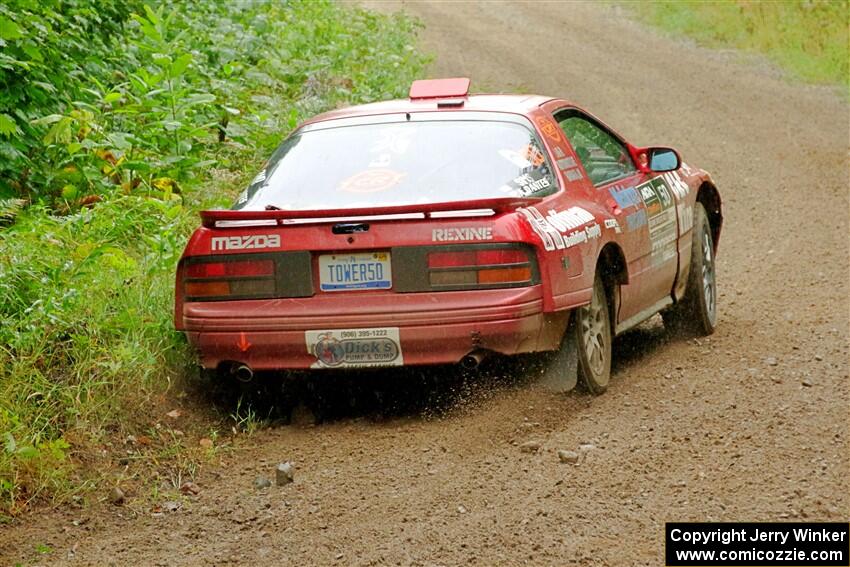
(661, 217)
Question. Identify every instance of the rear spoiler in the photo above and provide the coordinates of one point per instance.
(497, 204)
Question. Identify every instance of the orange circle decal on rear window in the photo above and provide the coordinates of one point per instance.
(372, 181)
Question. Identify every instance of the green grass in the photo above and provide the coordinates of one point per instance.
(88, 250)
(808, 38)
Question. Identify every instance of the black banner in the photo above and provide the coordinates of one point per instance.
(748, 544)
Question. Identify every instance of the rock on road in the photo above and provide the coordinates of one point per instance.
(721, 429)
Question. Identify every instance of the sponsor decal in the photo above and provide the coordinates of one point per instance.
(243, 197)
(393, 140)
(254, 241)
(372, 181)
(661, 217)
(656, 196)
(528, 156)
(686, 218)
(686, 169)
(259, 178)
(526, 184)
(558, 231)
(533, 154)
(573, 174)
(355, 348)
(614, 225)
(636, 220)
(559, 153)
(676, 184)
(582, 236)
(549, 128)
(566, 163)
(461, 234)
(382, 160)
(625, 197)
(569, 219)
(515, 158)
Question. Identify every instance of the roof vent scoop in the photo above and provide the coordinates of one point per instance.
(439, 88)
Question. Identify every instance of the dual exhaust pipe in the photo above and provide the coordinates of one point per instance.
(471, 361)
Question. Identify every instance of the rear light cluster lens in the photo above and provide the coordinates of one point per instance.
(223, 279)
(487, 267)
(241, 268)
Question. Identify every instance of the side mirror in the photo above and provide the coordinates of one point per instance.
(663, 159)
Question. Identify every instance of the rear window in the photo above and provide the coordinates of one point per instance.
(400, 163)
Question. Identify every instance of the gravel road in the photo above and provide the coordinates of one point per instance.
(750, 424)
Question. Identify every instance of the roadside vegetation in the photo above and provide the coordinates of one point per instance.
(119, 120)
(808, 38)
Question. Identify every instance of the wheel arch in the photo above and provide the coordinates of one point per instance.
(709, 197)
(611, 265)
(612, 262)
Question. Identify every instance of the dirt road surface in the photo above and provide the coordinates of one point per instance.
(751, 424)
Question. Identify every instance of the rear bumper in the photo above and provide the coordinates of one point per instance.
(432, 328)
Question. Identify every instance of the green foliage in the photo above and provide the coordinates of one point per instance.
(50, 51)
(109, 132)
(151, 100)
(807, 37)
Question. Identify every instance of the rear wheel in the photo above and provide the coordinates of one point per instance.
(696, 313)
(592, 328)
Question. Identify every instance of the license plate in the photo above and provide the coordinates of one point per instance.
(343, 272)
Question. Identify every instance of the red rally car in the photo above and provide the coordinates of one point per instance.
(447, 227)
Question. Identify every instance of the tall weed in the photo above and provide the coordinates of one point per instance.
(191, 100)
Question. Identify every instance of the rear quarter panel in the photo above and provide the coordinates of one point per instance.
(569, 227)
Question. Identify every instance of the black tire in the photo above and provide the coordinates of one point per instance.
(592, 327)
(696, 313)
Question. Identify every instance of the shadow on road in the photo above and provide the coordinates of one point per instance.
(376, 394)
(411, 391)
(642, 341)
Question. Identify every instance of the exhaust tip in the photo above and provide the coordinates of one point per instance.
(243, 372)
(472, 360)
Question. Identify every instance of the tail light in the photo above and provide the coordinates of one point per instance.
(480, 268)
(223, 277)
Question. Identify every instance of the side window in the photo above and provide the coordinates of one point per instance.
(603, 156)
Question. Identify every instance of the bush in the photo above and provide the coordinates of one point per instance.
(143, 103)
(50, 52)
(192, 94)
